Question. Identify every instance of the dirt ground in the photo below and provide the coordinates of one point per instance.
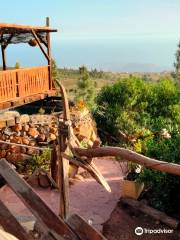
(123, 222)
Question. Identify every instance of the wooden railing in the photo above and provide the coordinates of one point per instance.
(22, 83)
(8, 88)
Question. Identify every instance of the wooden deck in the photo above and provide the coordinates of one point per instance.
(22, 86)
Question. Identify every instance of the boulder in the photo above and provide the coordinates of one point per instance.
(24, 118)
(17, 127)
(33, 132)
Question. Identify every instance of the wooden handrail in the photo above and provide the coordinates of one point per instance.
(24, 82)
(129, 155)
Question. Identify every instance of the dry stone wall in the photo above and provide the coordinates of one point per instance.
(37, 131)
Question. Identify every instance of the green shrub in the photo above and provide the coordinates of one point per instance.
(132, 104)
(143, 111)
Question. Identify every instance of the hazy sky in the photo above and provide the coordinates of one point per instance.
(152, 24)
(99, 18)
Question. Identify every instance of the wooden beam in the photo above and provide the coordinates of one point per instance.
(38, 207)
(129, 155)
(42, 40)
(8, 41)
(11, 225)
(39, 44)
(91, 168)
(3, 57)
(48, 39)
(83, 229)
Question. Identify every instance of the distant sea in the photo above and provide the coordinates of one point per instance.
(117, 55)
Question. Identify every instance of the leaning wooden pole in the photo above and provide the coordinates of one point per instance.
(63, 163)
(129, 155)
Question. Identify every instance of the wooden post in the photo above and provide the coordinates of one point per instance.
(63, 163)
(3, 57)
(49, 53)
(63, 172)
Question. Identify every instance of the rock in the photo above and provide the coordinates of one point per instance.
(26, 128)
(2, 153)
(25, 140)
(3, 137)
(22, 133)
(41, 137)
(33, 132)
(52, 137)
(11, 114)
(16, 139)
(3, 146)
(17, 127)
(15, 149)
(10, 122)
(2, 123)
(23, 150)
(8, 131)
(13, 158)
(32, 151)
(32, 143)
(24, 118)
(53, 130)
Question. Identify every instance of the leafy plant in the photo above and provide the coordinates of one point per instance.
(39, 161)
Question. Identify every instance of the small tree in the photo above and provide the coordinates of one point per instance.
(85, 90)
(17, 65)
(55, 71)
(176, 75)
(83, 70)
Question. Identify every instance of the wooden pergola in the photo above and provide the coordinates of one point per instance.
(25, 85)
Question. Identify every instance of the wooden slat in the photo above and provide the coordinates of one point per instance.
(83, 229)
(33, 81)
(7, 85)
(34, 202)
(11, 225)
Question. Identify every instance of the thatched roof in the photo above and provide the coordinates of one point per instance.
(13, 33)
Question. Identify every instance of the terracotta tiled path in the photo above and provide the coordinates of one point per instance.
(87, 198)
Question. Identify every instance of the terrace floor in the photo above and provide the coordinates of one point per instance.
(87, 197)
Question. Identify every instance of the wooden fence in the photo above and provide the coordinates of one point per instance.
(22, 83)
